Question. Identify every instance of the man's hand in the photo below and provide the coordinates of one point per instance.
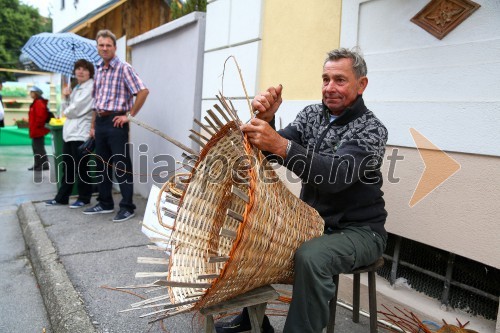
(92, 132)
(267, 103)
(264, 137)
(119, 121)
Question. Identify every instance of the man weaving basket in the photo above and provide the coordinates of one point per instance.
(336, 148)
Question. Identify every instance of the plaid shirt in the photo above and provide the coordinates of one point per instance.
(115, 87)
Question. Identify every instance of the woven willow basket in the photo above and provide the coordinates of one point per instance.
(237, 225)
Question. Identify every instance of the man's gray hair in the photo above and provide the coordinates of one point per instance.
(358, 63)
(106, 34)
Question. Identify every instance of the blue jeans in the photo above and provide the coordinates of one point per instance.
(316, 262)
(112, 150)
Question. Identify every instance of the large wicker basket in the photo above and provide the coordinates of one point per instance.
(237, 226)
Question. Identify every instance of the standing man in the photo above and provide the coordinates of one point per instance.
(2, 115)
(339, 146)
(115, 85)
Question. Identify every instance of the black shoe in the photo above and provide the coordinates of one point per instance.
(241, 323)
(78, 204)
(2, 169)
(39, 168)
(266, 325)
(97, 209)
(123, 215)
(52, 203)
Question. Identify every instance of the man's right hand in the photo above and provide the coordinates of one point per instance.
(92, 133)
(267, 103)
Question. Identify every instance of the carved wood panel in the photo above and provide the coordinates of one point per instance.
(439, 17)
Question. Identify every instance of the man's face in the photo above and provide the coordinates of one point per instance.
(340, 85)
(106, 48)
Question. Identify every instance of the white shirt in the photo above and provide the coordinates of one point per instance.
(78, 112)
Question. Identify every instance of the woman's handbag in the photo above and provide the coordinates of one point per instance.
(87, 147)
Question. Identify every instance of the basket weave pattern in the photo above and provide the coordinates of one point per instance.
(259, 250)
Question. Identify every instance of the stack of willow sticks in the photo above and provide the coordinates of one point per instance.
(235, 226)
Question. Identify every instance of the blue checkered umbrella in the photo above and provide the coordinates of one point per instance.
(58, 52)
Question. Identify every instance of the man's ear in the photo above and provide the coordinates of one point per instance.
(362, 83)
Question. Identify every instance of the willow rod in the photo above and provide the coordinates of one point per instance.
(163, 135)
(241, 79)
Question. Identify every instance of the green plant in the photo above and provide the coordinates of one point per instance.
(14, 91)
(12, 104)
(18, 22)
(179, 8)
(21, 122)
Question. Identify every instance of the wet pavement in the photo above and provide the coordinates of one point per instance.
(21, 304)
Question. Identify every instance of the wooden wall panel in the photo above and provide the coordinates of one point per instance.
(132, 19)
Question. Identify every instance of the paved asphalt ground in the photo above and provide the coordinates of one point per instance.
(57, 265)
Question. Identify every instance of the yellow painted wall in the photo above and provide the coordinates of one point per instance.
(295, 39)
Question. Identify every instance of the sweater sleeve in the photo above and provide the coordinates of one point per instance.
(358, 157)
(291, 132)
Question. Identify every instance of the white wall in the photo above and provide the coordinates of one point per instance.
(61, 18)
(40, 79)
(445, 88)
(121, 48)
(169, 59)
(233, 28)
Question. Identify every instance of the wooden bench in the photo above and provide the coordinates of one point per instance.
(255, 300)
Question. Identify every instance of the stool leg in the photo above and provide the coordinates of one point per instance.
(256, 314)
(355, 298)
(372, 300)
(330, 328)
(209, 324)
(260, 311)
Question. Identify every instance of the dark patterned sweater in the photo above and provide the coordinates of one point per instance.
(339, 164)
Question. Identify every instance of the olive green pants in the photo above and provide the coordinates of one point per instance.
(316, 262)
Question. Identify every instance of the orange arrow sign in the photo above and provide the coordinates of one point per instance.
(439, 166)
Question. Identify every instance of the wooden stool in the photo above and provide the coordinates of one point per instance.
(372, 296)
(255, 300)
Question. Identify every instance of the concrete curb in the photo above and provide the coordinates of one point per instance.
(64, 307)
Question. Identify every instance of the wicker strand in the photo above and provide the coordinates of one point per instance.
(241, 79)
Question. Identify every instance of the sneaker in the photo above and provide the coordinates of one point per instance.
(52, 203)
(241, 323)
(39, 168)
(97, 209)
(78, 204)
(123, 215)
